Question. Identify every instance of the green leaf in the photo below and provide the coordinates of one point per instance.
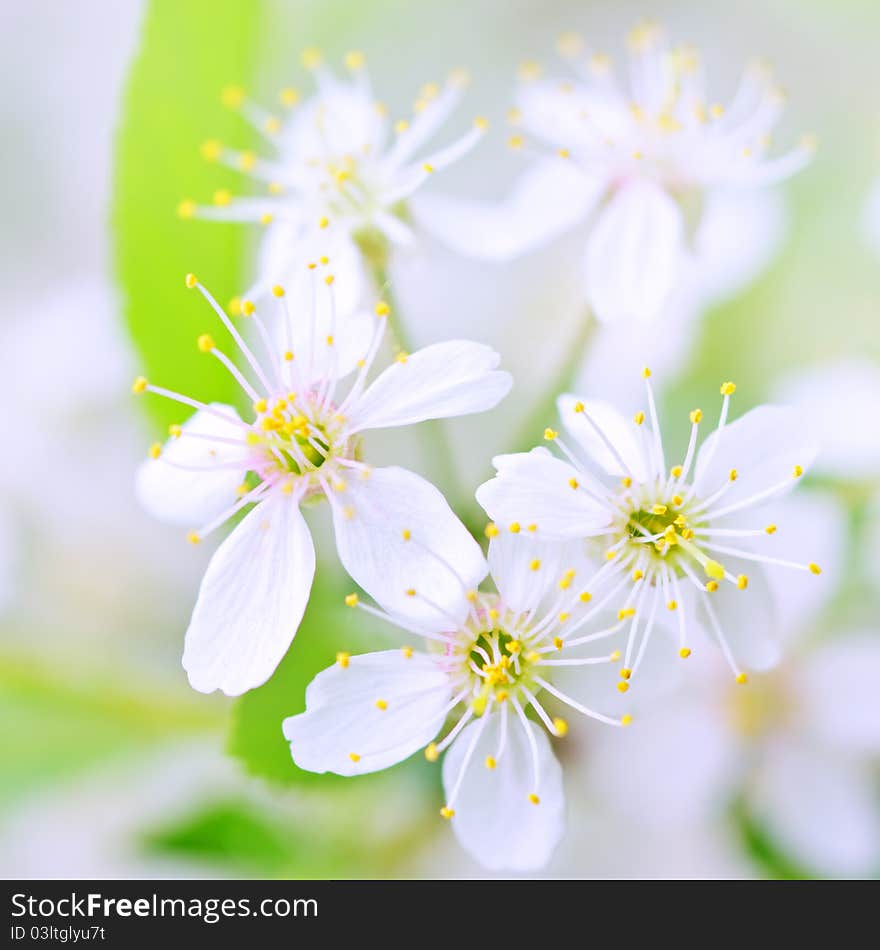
(189, 53)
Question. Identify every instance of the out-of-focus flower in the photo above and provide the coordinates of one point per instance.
(490, 655)
(302, 444)
(652, 158)
(661, 530)
(872, 217)
(842, 401)
(343, 172)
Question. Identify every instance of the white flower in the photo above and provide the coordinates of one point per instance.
(800, 746)
(489, 657)
(646, 157)
(342, 171)
(680, 539)
(303, 443)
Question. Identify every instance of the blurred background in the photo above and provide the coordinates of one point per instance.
(112, 765)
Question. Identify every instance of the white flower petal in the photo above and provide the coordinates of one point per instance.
(618, 431)
(837, 689)
(821, 809)
(634, 253)
(747, 617)
(525, 570)
(739, 233)
(549, 199)
(535, 488)
(342, 718)
(396, 533)
(494, 819)
(842, 402)
(251, 601)
(179, 496)
(445, 379)
(763, 446)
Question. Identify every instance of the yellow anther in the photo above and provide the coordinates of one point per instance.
(354, 60)
(814, 568)
(382, 704)
(186, 209)
(401, 357)
(471, 596)
(515, 142)
(733, 475)
(447, 812)
(742, 582)
(287, 487)
(260, 405)
(532, 528)
(278, 290)
(253, 438)
(501, 695)
(671, 604)
(191, 281)
(288, 97)
(491, 530)
(431, 753)
(742, 679)
(696, 416)
(558, 642)
(242, 489)
(354, 756)
(401, 126)
(155, 450)
(328, 280)
(711, 586)
(570, 45)
(639, 418)
(232, 97)
(406, 534)
(637, 575)
(174, 430)
(481, 123)
(206, 343)
(529, 70)
(563, 616)
(514, 527)
(622, 686)
(677, 500)
(646, 373)
(716, 110)
(626, 481)
(714, 569)
(659, 509)
(687, 534)
(272, 125)
(535, 565)
(625, 673)
(533, 657)
(490, 762)
(573, 483)
(610, 555)
(343, 659)
(428, 168)
(625, 612)
(246, 161)
(382, 309)
(770, 529)
(211, 150)
(139, 385)
(478, 705)
(797, 471)
(248, 307)
(684, 652)
(234, 307)
(533, 798)
(669, 535)
(615, 656)
(514, 646)
(676, 471)
(550, 434)
(275, 188)
(728, 389)
(265, 218)
(323, 222)
(407, 652)
(410, 592)
(311, 58)
(222, 197)
(193, 537)
(585, 597)
(626, 719)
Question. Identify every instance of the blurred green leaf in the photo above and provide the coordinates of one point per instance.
(189, 53)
